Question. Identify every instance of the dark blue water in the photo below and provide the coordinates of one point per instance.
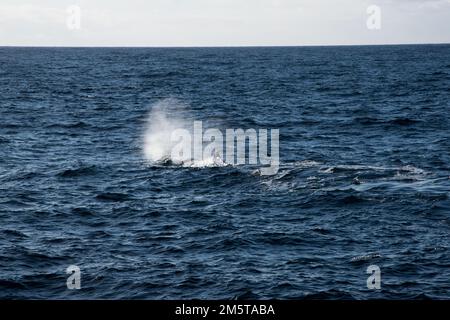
(75, 188)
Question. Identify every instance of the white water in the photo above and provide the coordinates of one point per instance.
(157, 142)
(165, 117)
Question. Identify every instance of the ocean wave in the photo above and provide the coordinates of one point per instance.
(365, 258)
(82, 211)
(68, 125)
(14, 233)
(351, 168)
(377, 121)
(78, 172)
(331, 294)
(113, 196)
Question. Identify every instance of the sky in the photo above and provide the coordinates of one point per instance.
(222, 22)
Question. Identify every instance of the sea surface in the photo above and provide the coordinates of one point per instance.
(364, 177)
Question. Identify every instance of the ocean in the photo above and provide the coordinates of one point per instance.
(363, 178)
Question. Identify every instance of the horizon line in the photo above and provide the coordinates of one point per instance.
(224, 46)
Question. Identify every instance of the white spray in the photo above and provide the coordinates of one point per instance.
(170, 138)
(157, 138)
(167, 117)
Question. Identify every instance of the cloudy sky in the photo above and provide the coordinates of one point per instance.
(221, 22)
